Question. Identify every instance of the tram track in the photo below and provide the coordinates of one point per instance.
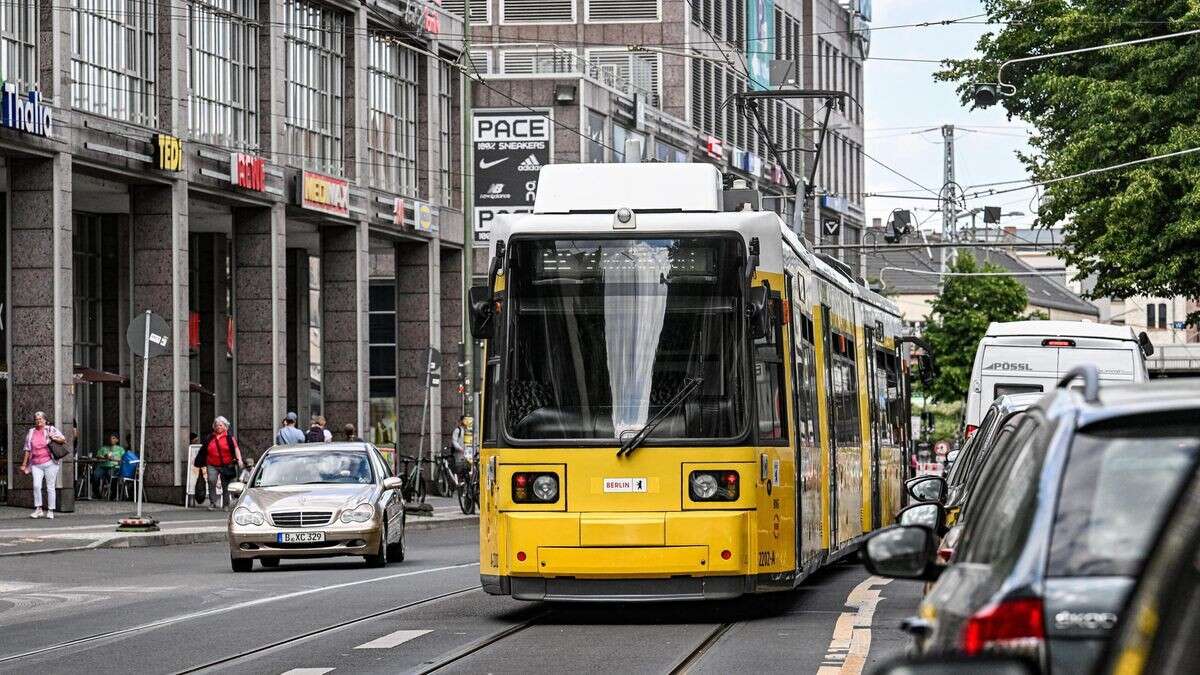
(94, 638)
(321, 631)
(698, 653)
(480, 645)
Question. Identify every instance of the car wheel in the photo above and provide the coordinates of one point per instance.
(241, 564)
(379, 559)
(269, 562)
(396, 554)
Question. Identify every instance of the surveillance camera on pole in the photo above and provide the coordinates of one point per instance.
(986, 94)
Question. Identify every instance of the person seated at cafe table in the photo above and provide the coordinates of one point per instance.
(108, 462)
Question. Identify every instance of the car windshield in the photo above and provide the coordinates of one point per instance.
(307, 468)
(1118, 480)
(604, 333)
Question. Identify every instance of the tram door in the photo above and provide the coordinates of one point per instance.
(831, 419)
(876, 412)
(808, 446)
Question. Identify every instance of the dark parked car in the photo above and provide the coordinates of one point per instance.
(1058, 532)
(1157, 628)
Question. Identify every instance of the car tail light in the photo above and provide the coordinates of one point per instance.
(944, 553)
(1009, 626)
(1058, 343)
(971, 429)
(535, 488)
(714, 486)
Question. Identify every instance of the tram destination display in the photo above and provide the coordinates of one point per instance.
(511, 147)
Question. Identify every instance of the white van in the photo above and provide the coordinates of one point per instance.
(1019, 357)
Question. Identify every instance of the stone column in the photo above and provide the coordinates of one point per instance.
(158, 226)
(451, 320)
(272, 73)
(413, 298)
(260, 310)
(297, 360)
(344, 286)
(43, 328)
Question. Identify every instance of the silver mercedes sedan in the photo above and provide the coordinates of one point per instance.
(317, 500)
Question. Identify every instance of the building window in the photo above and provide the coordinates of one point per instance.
(113, 59)
(620, 136)
(18, 42)
(447, 94)
(382, 353)
(392, 142)
(1162, 315)
(669, 153)
(224, 72)
(315, 42)
(595, 138)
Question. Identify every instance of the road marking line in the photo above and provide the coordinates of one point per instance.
(393, 639)
(307, 671)
(851, 642)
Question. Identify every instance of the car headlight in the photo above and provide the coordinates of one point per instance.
(704, 485)
(714, 486)
(534, 488)
(359, 514)
(244, 516)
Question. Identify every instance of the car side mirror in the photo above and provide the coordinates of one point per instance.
(927, 488)
(925, 514)
(479, 300)
(1145, 344)
(757, 311)
(235, 488)
(902, 552)
(952, 456)
(393, 483)
(947, 664)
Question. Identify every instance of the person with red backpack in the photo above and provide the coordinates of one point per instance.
(221, 454)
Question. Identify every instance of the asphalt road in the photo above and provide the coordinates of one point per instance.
(180, 609)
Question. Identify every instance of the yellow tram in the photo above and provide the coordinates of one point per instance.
(680, 400)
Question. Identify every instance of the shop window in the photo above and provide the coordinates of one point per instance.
(392, 137)
(381, 308)
(223, 51)
(315, 49)
(113, 59)
(596, 149)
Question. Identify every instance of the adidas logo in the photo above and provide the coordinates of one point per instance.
(530, 163)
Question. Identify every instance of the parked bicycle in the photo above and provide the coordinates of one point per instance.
(468, 489)
(446, 480)
(413, 489)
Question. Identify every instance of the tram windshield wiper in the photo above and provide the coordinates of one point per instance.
(690, 386)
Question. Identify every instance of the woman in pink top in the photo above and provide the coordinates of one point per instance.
(44, 466)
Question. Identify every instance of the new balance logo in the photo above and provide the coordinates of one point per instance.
(495, 188)
(530, 163)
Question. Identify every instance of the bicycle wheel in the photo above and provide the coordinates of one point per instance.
(465, 502)
(441, 485)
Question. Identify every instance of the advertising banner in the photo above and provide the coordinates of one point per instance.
(324, 193)
(760, 42)
(511, 147)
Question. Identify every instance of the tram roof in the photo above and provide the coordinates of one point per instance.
(588, 188)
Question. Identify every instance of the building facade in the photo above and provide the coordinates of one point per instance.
(280, 180)
(662, 72)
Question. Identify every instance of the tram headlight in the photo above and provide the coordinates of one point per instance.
(534, 488)
(714, 486)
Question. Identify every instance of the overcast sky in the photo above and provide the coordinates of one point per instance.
(904, 94)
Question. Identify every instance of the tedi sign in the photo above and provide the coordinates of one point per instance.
(29, 114)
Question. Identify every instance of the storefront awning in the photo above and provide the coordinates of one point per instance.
(93, 376)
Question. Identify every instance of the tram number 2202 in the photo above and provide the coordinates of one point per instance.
(766, 558)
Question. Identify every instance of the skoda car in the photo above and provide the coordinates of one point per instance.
(317, 500)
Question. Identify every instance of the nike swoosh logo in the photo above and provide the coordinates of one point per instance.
(488, 165)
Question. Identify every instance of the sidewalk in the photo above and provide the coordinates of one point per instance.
(94, 525)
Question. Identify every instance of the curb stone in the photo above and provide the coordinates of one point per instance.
(183, 538)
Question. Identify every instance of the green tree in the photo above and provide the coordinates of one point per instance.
(1136, 231)
(959, 319)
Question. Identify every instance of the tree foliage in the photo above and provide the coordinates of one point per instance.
(1136, 230)
(959, 319)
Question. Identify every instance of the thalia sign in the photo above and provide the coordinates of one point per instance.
(25, 114)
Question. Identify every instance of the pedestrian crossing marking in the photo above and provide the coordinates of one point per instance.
(393, 639)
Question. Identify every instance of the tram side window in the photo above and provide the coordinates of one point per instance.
(845, 392)
(881, 413)
(806, 373)
(492, 379)
(768, 380)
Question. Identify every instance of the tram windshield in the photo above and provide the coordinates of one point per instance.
(603, 333)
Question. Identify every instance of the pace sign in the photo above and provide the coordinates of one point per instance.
(510, 150)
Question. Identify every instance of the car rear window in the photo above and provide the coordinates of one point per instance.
(1119, 478)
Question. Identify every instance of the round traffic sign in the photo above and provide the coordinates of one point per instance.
(157, 343)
